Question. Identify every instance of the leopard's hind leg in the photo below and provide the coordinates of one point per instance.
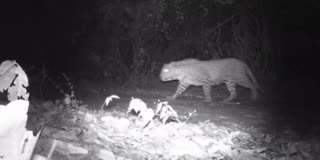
(231, 86)
(248, 84)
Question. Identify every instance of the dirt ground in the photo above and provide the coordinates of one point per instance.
(269, 128)
(271, 112)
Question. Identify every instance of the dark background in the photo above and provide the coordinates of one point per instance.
(44, 29)
(63, 36)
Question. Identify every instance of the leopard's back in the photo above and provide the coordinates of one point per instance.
(184, 62)
(229, 69)
(209, 73)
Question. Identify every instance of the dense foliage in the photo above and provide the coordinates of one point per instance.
(132, 39)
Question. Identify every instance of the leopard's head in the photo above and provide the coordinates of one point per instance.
(169, 72)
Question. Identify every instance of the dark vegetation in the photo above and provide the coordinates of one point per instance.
(78, 52)
(125, 42)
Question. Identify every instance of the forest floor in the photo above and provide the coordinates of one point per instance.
(263, 129)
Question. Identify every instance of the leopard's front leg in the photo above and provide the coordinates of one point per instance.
(207, 92)
(231, 86)
(181, 88)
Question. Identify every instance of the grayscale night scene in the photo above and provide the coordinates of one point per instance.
(159, 79)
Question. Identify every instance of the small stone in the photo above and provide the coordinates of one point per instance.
(107, 119)
(69, 148)
(122, 125)
(103, 154)
(70, 135)
(183, 146)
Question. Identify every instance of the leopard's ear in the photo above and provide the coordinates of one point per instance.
(172, 63)
(166, 64)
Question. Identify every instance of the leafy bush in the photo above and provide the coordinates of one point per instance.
(14, 80)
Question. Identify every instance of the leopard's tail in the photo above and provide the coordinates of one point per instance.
(253, 78)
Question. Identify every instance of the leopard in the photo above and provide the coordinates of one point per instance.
(208, 73)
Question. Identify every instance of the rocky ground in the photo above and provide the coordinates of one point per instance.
(193, 129)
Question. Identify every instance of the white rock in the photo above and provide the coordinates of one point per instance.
(121, 125)
(69, 148)
(39, 157)
(137, 105)
(103, 154)
(183, 146)
(70, 135)
(202, 140)
(16, 143)
(107, 119)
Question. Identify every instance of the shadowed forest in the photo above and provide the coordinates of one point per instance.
(87, 50)
(119, 42)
